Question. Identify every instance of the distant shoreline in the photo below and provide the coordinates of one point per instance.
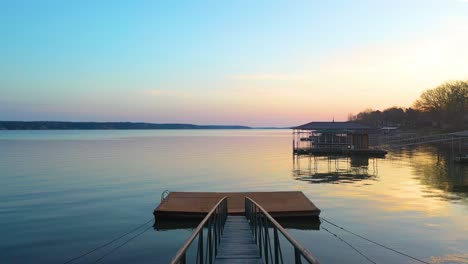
(63, 125)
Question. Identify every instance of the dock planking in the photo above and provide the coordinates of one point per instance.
(198, 204)
(237, 243)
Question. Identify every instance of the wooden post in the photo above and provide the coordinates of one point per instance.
(294, 140)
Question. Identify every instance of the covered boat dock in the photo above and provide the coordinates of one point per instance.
(336, 138)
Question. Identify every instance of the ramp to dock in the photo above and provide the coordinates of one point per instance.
(253, 238)
(198, 204)
(237, 243)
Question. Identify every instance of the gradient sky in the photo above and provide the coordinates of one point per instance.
(259, 63)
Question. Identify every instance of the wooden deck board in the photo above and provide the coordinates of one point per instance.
(278, 204)
(237, 243)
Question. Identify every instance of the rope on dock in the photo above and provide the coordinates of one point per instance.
(374, 242)
(112, 241)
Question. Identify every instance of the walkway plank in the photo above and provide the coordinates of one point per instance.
(237, 243)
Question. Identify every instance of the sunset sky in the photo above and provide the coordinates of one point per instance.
(258, 63)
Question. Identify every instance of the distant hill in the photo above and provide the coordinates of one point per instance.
(52, 125)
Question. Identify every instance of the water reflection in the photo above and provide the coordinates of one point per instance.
(334, 169)
(436, 169)
(299, 223)
(165, 224)
(85, 192)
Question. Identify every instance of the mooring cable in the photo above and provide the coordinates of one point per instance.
(123, 244)
(351, 246)
(374, 242)
(108, 243)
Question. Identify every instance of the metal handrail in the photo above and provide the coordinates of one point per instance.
(260, 221)
(214, 221)
(418, 140)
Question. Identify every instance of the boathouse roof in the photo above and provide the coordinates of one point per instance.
(331, 126)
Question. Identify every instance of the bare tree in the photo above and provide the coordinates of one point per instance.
(446, 103)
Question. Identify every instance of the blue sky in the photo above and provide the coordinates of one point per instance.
(224, 62)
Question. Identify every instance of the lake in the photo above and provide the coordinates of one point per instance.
(63, 193)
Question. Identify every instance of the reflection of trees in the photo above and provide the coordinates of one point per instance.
(435, 168)
(314, 169)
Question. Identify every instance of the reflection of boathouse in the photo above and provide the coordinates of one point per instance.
(334, 169)
(333, 138)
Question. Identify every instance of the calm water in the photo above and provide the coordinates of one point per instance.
(63, 193)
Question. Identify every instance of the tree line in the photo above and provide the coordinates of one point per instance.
(43, 125)
(444, 107)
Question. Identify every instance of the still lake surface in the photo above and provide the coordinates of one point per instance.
(63, 193)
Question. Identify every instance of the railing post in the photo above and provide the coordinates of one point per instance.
(259, 233)
(260, 226)
(220, 220)
(267, 240)
(216, 232)
(276, 244)
(246, 209)
(200, 246)
(225, 211)
(209, 243)
(297, 256)
(254, 208)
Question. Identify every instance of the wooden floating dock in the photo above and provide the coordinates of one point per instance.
(299, 223)
(198, 204)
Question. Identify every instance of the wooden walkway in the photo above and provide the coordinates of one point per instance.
(419, 140)
(198, 204)
(237, 243)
